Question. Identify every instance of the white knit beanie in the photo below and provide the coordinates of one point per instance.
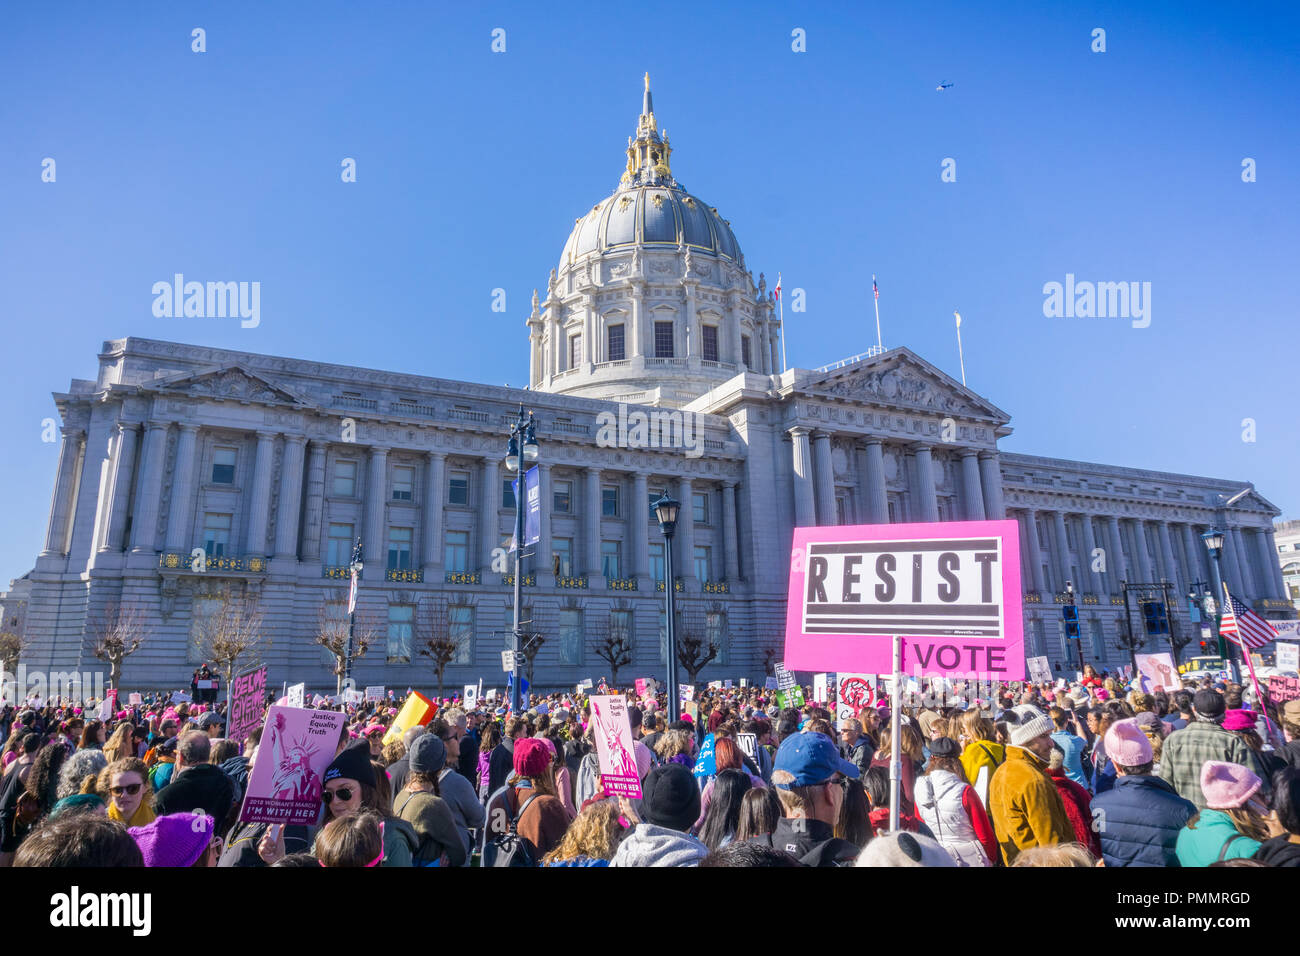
(1033, 723)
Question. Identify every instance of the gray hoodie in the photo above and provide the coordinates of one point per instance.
(649, 845)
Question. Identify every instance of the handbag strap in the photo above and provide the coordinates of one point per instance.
(1223, 851)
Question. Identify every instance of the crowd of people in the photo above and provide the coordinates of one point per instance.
(1093, 773)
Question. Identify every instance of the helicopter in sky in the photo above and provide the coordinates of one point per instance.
(942, 86)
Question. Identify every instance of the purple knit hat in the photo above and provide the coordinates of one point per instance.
(176, 839)
(1226, 785)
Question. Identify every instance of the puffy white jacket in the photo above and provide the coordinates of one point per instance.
(938, 802)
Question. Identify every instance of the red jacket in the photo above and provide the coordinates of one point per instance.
(1078, 807)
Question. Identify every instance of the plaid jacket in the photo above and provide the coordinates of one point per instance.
(1186, 750)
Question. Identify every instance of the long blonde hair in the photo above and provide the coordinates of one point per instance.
(594, 833)
(120, 746)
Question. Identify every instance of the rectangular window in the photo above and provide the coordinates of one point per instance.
(609, 563)
(562, 495)
(403, 482)
(616, 349)
(620, 626)
(715, 634)
(508, 493)
(893, 510)
(223, 465)
(609, 501)
(458, 488)
(841, 510)
(1098, 641)
(703, 563)
(700, 507)
(570, 636)
(460, 628)
(746, 355)
(562, 557)
(345, 479)
(399, 549)
(657, 567)
(663, 340)
(216, 534)
(709, 340)
(200, 643)
(455, 553)
(575, 350)
(339, 547)
(401, 626)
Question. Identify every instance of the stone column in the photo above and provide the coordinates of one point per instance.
(638, 529)
(804, 511)
(289, 511)
(122, 473)
(56, 534)
(1247, 572)
(1269, 545)
(313, 513)
(542, 562)
(730, 548)
(1061, 550)
(1140, 550)
(1194, 549)
(970, 482)
(1035, 549)
(431, 516)
(178, 518)
(374, 554)
(991, 484)
(1095, 581)
(591, 524)
(635, 335)
(1167, 554)
(685, 564)
(490, 525)
(259, 508)
(1115, 563)
(825, 473)
(929, 505)
(876, 492)
(144, 527)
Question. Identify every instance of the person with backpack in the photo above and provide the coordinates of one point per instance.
(440, 842)
(525, 819)
(949, 806)
(1235, 822)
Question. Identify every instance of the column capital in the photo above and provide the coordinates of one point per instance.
(188, 428)
(799, 430)
(127, 426)
(378, 450)
(263, 435)
(968, 452)
(434, 455)
(729, 482)
(988, 454)
(294, 439)
(821, 435)
(318, 444)
(917, 447)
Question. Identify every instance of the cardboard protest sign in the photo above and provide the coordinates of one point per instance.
(135, 699)
(508, 661)
(180, 697)
(687, 691)
(853, 694)
(1281, 689)
(950, 589)
(416, 712)
(640, 686)
(491, 695)
(469, 696)
(1158, 670)
(587, 683)
(1288, 656)
(287, 779)
(691, 709)
(727, 685)
(352, 696)
(1040, 672)
(106, 709)
(784, 678)
(297, 695)
(375, 692)
(749, 744)
(247, 698)
(820, 683)
(769, 683)
(613, 734)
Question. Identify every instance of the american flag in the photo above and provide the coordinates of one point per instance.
(1243, 626)
(875, 288)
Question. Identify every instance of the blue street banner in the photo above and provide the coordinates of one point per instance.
(532, 506)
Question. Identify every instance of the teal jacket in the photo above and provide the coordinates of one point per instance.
(1201, 846)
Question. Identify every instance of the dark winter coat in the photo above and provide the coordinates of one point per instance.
(1138, 820)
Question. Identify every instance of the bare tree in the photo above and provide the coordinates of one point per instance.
(332, 634)
(433, 623)
(613, 645)
(530, 643)
(1130, 642)
(694, 649)
(232, 634)
(771, 655)
(12, 645)
(118, 635)
(1178, 639)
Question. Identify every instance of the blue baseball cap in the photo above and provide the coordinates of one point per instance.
(812, 759)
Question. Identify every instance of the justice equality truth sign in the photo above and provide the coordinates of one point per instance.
(950, 589)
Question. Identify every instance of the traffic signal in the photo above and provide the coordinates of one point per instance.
(1070, 613)
(1204, 647)
(1155, 618)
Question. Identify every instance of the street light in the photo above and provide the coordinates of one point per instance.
(1078, 630)
(1214, 544)
(666, 510)
(525, 428)
(356, 567)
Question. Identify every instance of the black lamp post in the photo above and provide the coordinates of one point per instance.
(1214, 604)
(666, 510)
(516, 455)
(356, 567)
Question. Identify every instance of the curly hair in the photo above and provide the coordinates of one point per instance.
(595, 833)
(76, 768)
(673, 743)
(43, 778)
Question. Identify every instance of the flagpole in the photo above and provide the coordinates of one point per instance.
(780, 309)
(960, 355)
(1240, 641)
(875, 296)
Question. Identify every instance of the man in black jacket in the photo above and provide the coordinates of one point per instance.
(196, 784)
(502, 762)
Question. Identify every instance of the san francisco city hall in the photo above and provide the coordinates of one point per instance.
(274, 466)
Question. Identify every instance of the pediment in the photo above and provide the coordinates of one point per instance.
(228, 383)
(900, 378)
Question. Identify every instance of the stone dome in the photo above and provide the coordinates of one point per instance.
(650, 216)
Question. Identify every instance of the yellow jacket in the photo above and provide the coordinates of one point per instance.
(1025, 807)
(981, 753)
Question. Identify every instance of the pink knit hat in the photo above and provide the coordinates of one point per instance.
(1239, 720)
(176, 839)
(1227, 785)
(1127, 745)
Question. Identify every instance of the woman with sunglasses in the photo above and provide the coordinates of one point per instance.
(350, 788)
(124, 785)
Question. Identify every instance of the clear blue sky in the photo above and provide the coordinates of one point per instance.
(472, 166)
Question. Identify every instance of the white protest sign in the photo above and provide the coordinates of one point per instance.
(819, 687)
(853, 694)
(784, 678)
(727, 685)
(1158, 670)
(1039, 670)
(491, 695)
(686, 691)
(180, 697)
(587, 682)
(508, 661)
(135, 699)
(297, 694)
(469, 696)
(352, 696)
(375, 692)
(1288, 656)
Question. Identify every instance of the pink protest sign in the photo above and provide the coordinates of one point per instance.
(618, 773)
(286, 783)
(247, 699)
(950, 589)
(640, 687)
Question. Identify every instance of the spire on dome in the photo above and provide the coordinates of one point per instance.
(648, 153)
